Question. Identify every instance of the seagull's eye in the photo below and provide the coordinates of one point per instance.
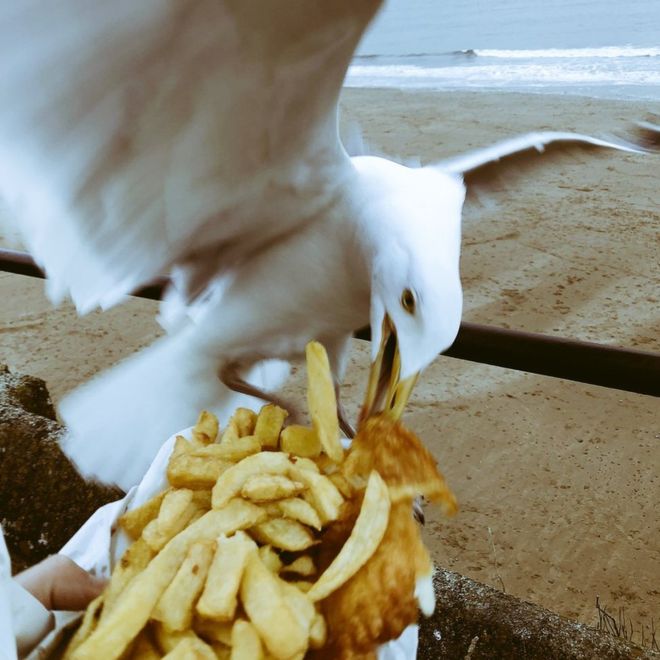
(408, 301)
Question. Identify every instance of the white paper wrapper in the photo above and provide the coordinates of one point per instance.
(99, 544)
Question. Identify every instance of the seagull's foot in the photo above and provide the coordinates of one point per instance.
(346, 427)
(418, 511)
(229, 376)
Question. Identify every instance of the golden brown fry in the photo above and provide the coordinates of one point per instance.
(218, 601)
(365, 537)
(231, 450)
(303, 565)
(230, 434)
(300, 440)
(318, 632)
(270, 558)
(269, 424)
(133, 561)
(231, 481)
(342, 484)
(213, 631)
(284, 534)
(134, 521)
(167, 640)
(322, 402)
(269, 487)
(245, 420)
(144, 648)
(87, 626)
(206, 429)
(268, 610)
(302, 585)
(300, 510)
(322, 494)
(195, 472)
(191, 648)
(202, 498)
(245, 642)
(175, 606)
(132, 611)
(303, 463)
(301, 606)
(176, 511)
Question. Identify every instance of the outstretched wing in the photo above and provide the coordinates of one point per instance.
(131, 132)
(484, 168)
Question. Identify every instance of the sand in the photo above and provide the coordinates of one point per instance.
(557, 481)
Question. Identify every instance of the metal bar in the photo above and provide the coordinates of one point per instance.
(586, 362)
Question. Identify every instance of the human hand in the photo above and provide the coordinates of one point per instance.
(60, 584)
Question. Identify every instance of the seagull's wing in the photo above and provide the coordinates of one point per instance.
(487, 167)
(131, 132)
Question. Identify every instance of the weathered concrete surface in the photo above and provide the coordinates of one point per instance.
(43, 499)
(475, 622)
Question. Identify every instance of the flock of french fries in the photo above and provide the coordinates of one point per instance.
(224, 563)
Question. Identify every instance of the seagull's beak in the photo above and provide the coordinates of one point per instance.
(385, 387)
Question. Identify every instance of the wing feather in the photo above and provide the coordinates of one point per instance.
(135, 130)
(502, 162)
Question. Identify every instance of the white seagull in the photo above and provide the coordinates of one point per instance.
(199, 140)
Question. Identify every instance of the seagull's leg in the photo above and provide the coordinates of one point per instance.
(337, 350)
(346, 427)
(230, 376)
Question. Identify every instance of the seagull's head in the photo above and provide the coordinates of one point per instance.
(414, 216)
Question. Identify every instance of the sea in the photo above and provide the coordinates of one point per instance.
(598, 48)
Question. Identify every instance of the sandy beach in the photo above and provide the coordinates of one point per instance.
(557, 481)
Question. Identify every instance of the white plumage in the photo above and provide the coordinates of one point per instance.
(199, 140)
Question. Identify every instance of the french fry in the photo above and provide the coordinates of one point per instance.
(269, 487)
(206, 429)
(318, 632)
(191, 648)
(269, 424)
(302, 585)
(270, 558)
(87, 626)
(175, 513)
(269, 612)
(284, 534)
(322, 494)
(301, 606)
(144, 648)
(231, 450)
(195, 472)
(231, 481)
(133, 561)
(230, 434)
(365, 537)
(303, 565)
(245, 642)
(300, 510)
(218, 600)
(213, 631)
(134, 521)
(132, 611)
(167, 640)
(342, 485)
(322, 402)
(175, 606)
(202, 498)
(303, 463)
(245, 420)
(300, 440)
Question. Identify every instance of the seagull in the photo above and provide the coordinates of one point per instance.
(199, 141)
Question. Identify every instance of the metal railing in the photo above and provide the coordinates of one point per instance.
(586, 362)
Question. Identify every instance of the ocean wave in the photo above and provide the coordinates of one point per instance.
(572, 53)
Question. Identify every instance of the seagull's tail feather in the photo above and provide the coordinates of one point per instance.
(118, 421)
